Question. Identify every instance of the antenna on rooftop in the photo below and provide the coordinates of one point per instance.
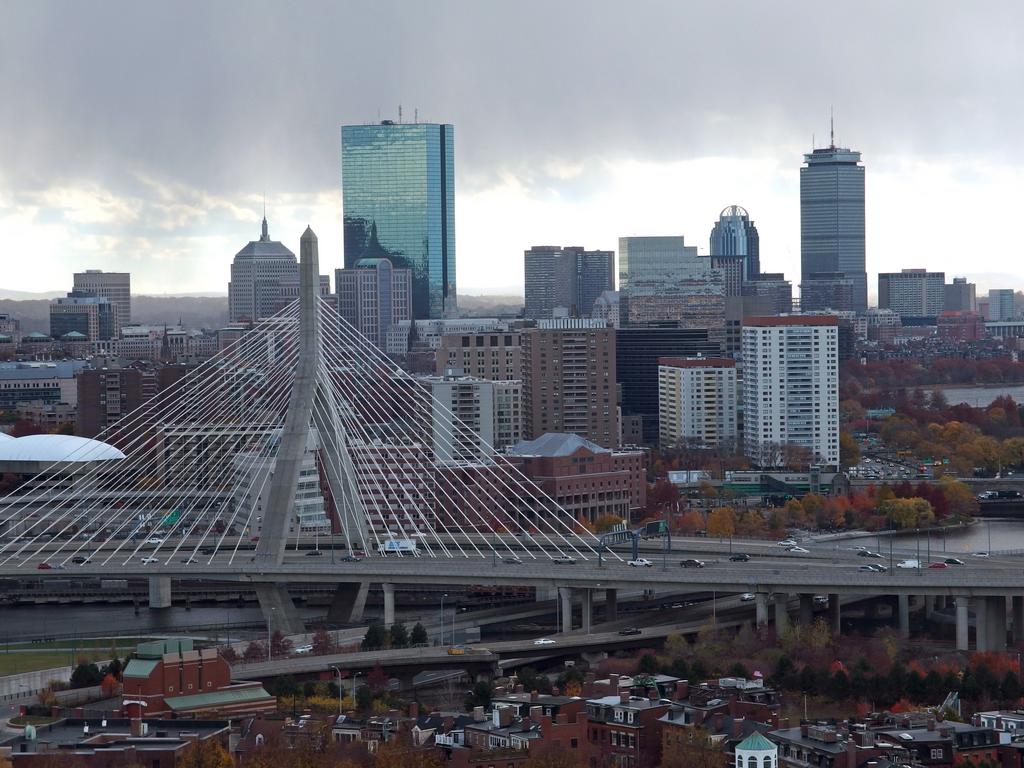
(831, 128)
(399, 114)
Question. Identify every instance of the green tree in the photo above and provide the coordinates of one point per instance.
(838, 687)
(399, 635)
(375, 638)
(419, 635)
(1010, 687)
(364, 698)
(649, 664)
(86, 675)
(479, 696)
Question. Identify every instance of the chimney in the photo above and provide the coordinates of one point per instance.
(652, 693)
(136, 726)
(525, 724)
(478, 714)
(536, 713)
(682, 690)
(519, 688)
(624, 697)
(803, 729)
(414, 710)
(504, 717)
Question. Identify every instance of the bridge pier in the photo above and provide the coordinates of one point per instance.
(835, 613)
(806, 609)
(781, 612)
(348, 602)
(565, 608)
(159, 591)
(991, 624)
(588, 609)
(963, 641)
(279, 610)
(761, 609)
(611, 604)
(903, 608)
(389, 605)
(1018, 619)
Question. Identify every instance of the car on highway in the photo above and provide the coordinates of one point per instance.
(189, 560)
(908, 564)
(936, 566)
(798, 550)
(80, 560)
(156, 541)
(304, 649)
(351, 559)
(457, 650)
(512, 560)
(861, 548)
(315, 553)
(148, 560)
(863, 552)
(691, 562)
(544, 641)
(873, 568)
(747, 597)
(739, 557)
(563, 560)
(787, 543)
(44, 567)
(979, 554)
(641, 562)
(821, 599)
(630, 631)
(954, 561)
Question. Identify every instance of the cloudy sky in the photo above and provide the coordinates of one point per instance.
(142, 136)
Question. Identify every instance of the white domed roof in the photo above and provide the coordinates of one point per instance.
(5, 436)
(52, 448)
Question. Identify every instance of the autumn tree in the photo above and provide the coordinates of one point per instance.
(722, 522)
(207, 753)
(254, 651)
(279, 644)
(323, 643)
(907, 513)
(849, 450)
(605, 523)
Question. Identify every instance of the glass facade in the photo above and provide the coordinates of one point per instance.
(832, 218)
(398, 190)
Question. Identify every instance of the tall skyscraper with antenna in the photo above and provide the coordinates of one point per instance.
(832, 217)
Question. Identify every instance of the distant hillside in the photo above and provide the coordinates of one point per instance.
(193, 311)
(490, 306)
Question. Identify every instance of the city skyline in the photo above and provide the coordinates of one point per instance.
(172, 192)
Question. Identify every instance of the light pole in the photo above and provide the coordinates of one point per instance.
(341, 690)
(270, 634)
(441, 625)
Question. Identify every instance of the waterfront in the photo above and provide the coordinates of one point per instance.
(989, 534)
(981, 395)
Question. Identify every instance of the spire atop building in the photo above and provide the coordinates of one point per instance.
(264, 234)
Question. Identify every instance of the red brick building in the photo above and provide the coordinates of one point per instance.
(585, 479)
(961, 326)
(170, 677)
(623, 731)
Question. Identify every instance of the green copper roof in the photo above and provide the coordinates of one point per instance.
(756, 741)
(227, 696)
(140, 667)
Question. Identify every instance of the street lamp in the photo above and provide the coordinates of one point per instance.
(341, 690)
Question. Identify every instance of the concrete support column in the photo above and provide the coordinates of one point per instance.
(389, 605)
(930, 604)
(761, 608)
(834, 613)
(565, 607)
(279, 609)
(348, 602)
(588, 609)
(781, 612)
(995, 610)
(903, 608)
(963, 625)
(806, 609)
(1018, 619)
(611, 604)
(159, 591)
(981, 624)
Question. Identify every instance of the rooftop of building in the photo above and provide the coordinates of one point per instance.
(554, 444)
(633, 702)
(265, 248)
(790, 320)
(697, 362)
(57, 448)
(99, 733)
(63, 369)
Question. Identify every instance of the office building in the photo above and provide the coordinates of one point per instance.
(470, 417)
(256, 275)
(606, 307)
(913, 294)
(50, 382)
(791, 390)
(828, 290)
(565, 282)
(1001, 304)
(832, 218)
(569, 381)
(663, 280)
(637, 351)
(495, 355)
(697, 402)
(587, 480)
(735, 248)
(115, 287)
(373, 296)
(960, 296)
(883, 325)
(398, 190)
(104, 395)
(84, 317)
(768, 293)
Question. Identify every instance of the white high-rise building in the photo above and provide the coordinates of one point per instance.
(791, 388)
(470, 414)
(696, 401)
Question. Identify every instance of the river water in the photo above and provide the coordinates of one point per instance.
(984, 536)
(980, 395)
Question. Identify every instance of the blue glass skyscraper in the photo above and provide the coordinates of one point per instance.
(398, 190)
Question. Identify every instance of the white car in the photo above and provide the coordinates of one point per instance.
(148, 560)
(908, 564)
(746, 597)
(787, 543)
(798, 550)
(641, 562)
(303, 649)
(156, 542)
(979, 554)
(544, 641)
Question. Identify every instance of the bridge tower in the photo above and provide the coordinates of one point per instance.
(308, 393)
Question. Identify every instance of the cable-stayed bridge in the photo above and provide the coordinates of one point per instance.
(299, 426)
